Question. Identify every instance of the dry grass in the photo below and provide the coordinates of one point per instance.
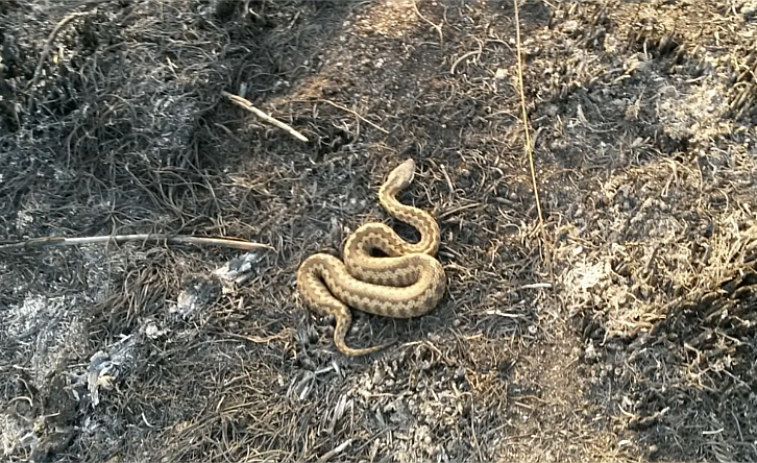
(641, 347)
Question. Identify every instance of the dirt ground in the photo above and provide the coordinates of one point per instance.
(627, 331)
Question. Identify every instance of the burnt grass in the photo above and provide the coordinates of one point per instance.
(626, 331)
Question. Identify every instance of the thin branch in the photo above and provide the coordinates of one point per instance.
(246, 104)
(283, 334)
(528, 147)
(154, 237)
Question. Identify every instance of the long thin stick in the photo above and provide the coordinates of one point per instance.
(244, 103)
(154, 237)
(528, 146)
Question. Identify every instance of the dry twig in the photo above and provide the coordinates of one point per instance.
(527, 145)
(244, 103)
(173, 239)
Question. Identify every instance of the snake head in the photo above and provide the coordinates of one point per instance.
(402, 175)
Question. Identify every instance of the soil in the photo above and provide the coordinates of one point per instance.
(624, 329)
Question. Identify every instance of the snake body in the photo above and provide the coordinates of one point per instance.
(407, 283)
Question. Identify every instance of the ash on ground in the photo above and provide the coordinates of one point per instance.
(628, 334)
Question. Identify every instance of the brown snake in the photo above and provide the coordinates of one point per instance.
(409, 282)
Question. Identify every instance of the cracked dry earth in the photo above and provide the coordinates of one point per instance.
(627, 334)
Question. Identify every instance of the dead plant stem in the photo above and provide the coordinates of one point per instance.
(154, 237)
(246, 104)
(527, 145)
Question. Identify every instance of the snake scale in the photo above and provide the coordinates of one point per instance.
(408, 282)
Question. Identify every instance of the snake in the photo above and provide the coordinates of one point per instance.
(408, 281)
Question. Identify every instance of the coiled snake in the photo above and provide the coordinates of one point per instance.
(407, 283)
